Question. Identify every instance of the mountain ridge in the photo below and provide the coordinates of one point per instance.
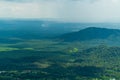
(90, 33)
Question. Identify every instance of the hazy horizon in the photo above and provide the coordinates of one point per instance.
(84, 11)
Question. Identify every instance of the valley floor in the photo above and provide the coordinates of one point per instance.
(55, 60)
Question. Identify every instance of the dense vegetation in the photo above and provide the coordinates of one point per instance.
(51, 60)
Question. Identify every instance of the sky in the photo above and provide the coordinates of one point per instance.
(62, 10)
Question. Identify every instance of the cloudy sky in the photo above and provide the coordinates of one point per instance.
(63, 10)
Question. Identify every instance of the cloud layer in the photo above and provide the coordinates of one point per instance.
(63, 10)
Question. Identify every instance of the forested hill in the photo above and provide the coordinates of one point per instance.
(91, 33)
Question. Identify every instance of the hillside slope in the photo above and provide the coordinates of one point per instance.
(91, 33)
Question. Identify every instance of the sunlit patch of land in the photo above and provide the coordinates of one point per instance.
(7, 49)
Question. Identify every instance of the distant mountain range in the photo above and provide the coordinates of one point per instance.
(91, 33)
(34, 29)
(67, 31)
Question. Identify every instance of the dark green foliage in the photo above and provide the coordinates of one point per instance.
(100, 62)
